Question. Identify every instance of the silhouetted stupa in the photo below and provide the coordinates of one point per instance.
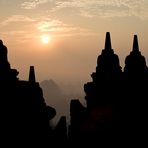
(135, 94)
(105, 79)
(24, 113)
(116, 101)
(116, 105)
(96, 123)
(135, 64)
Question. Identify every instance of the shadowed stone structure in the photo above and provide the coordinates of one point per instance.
(116, 105)
(96, 123)
(135, 94)
(6, 73)
(105, 79)
(24, 114)
(115, 101)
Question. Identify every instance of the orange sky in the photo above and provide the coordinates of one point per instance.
(77, 30)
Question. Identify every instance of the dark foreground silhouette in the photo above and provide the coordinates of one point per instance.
(115, 114)
(24, 114)
(116, 111)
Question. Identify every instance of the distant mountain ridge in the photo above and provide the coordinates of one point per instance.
(59, 95)
(51, 89)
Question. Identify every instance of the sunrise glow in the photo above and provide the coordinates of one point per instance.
(45, 39)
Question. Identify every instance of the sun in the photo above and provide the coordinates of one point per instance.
(45, 39)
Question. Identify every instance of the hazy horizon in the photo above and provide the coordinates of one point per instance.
(76, 32)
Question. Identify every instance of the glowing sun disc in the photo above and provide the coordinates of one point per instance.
(45, 39)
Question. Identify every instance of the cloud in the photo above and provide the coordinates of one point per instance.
(53, 25)
(14, 33)
(24, 28)
(95, 8)
(16, 18)
(106, 8)
(33, 3)
(57, 27)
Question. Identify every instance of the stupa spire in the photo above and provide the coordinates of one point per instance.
(32, 75)
(135, 43)
(108, 45)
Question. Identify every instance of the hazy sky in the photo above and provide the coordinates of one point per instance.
(76, 29)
